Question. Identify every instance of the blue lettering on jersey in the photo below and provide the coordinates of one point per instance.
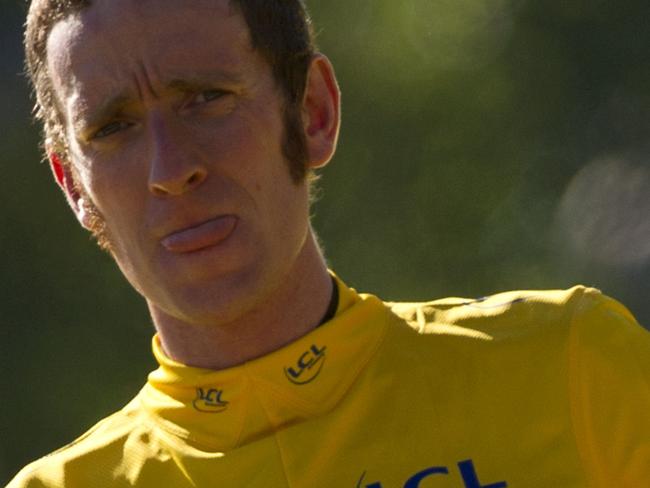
(414, 481)
(308, 367)
(467, 472)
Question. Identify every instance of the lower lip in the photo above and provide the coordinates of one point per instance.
(208, 234)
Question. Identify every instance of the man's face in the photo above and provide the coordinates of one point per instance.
(175, 129)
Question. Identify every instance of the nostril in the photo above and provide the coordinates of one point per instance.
(193, 179)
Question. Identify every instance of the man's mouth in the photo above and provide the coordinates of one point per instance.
(206, 234)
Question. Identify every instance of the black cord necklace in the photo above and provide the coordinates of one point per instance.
(334, 304)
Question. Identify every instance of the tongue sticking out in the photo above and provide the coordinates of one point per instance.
(207, 234)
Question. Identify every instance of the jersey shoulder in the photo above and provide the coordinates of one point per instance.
(89, 451)
(584, 347)
(503, 316)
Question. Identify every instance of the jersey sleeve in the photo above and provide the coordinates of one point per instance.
(39, 474)
(609, 358)
(28, 480)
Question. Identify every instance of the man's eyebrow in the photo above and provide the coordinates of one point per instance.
(201, 82)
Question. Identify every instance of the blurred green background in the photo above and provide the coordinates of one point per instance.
(486, 145)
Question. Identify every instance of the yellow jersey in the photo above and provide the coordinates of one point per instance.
(531, 389)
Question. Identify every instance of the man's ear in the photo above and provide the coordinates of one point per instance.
(65, 180)
(321, 111)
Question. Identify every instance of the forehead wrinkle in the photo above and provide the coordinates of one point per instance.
(142, 81)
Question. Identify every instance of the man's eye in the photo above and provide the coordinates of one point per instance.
(209, 96)
(110, 129)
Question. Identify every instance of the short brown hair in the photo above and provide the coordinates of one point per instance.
(280, 31)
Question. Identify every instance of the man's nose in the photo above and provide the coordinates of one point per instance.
(176, 166)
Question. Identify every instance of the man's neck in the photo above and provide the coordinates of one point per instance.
(294, 308)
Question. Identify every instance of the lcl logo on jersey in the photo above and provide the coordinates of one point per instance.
(308, 366)
(467, 473)
(209, 401)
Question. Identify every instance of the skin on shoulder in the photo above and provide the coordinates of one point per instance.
(175, 127)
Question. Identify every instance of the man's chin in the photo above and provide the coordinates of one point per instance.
(214, 298)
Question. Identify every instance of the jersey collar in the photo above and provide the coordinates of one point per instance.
(220, 410)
